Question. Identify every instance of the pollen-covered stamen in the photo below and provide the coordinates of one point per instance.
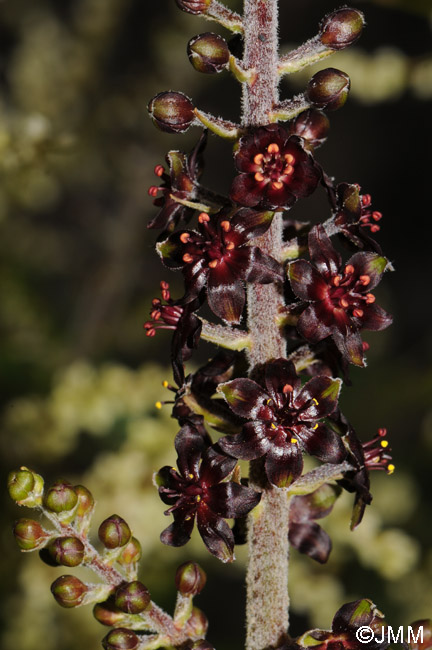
(153, 190)
(277, 185)
(226, 226)
(159, 170)
(187, 258)
(184, 237)
(259, 177)
(347, 291)
(273, 148)
(163, 317)
(274, 167)
(203, 217)
(364, 280)
(376, 453)
(258, 158)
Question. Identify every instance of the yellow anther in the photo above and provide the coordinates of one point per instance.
(188, 518)
(315, 427)
(165, 384)
(268, 401)
(190, 475)
(390, 469)
(273, 426)
(198, 498)
(294, 441)
(315, 401)
(384, 443)
(158, 405)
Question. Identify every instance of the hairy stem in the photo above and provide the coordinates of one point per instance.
(267, 574)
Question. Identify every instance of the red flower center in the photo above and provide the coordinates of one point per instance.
(216, 248)
(274, 167)
(347, 292)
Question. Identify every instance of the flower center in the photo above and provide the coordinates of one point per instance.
(217, 247)
(274, 167)
(347, 292)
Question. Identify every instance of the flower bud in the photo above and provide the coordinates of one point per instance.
(107, 613)
(341, 28)
(194, 6)
(114, 532)
(131, 553)
(328, 89)
(68, 591)
(190, 579)
(171, 112)
(132, 598)
(29, 534)
(20, 484)
(208, 53)
(68, 551)
(312, 125)
(198, 622)
(60, 497)
(85, 501)
(121, 639)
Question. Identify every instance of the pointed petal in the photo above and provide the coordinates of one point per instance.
(316, 505)
(369, 264)
(375, 318)
(216, 534)
(353, 615)
(277, 374)
(189, 445)
(250, 444)
(249, 224)
(263, 268)
(350, 346)
(244, 396)
(323, 443)
(306, 282)
(323, 254)
(246, 191)
(318, 398)
(231, 500)
(311, 325)
(172, 249)
(283, 464)
(179, 532)
(225, 294)
(310, 539)
(215, 465)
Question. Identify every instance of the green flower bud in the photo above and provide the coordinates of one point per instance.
(68, 551)
(198, 622)
(121, 639)
(131, 553)
(341, 28)
(20, 484)
(132, 598)
(312, 125)
(107, 613)
(68, 591)
(30, 535)
(194, 6)
(60, 497)
(190, 579)
(85, 501)
(114, 532)
(328, 89)
(208, 53)
(171, 112)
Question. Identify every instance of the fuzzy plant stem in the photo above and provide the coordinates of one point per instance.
(267, 574)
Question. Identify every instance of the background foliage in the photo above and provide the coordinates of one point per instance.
(77, 272)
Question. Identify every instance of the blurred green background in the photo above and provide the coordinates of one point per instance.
(78, 270)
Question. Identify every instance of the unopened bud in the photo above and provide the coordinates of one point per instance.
(198, 622)
(312, 125)
(20, 484)
(131, 553)
(60, 497)
(341, 28)
(208, 53)
(85, 501)
(194, 6)
(29, 534)
(107, 613)
(114, 532)
(328, 89)
(121, 639)
(68, 551)
(171, 112)
(132, 598)
(68, 591)
(190, 579)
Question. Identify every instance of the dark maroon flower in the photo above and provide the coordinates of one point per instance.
(347, 621)
(197, 490)
(276, 170)
(183, 321)
(285, 421)
(304, 533)
(179, 184)
(218, 258)
(339, 296)
(355, 218)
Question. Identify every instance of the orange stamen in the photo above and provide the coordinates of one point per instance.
(230, 246)
(344, 303)
(370, 298)
(153, 190)
(259, 177)
(277, 185)
(159, 170)
(376, 216)
(289, 158)
(213, 264)
(358, 313)
(287, 389)
(225, 225)
(349, 269)
(258, 158)
(203, 217)
(184, 237)
(364, 280)
(187, 258)
(273, 148)
(288, 170)
(337, 280)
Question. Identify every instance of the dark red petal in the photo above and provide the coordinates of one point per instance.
(305, 178)
(249, 224)
(277, 374)
(216, 534)
(171, 212)
(353, 615)
(318, 398)
(306, 281)
(263, 268)
(232, 500)
(323, 254)
(244, 396)
(166, 477)
(215, 466)
(350, 346)
(179, 532)
(225, 294)
(195, 276)
(310, 539)
(311, 326)
(278, 198)
(189, 445)
(375, 318)
(369, 264)
(194, 162)
(172, 249)
(283, 464)
(323, 443)
(246, 191)
(250, 444)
